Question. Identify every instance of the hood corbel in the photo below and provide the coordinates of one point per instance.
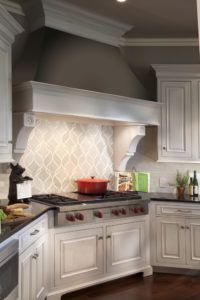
(126, 139)
(23, 124)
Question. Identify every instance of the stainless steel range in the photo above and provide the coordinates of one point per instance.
(75, 208)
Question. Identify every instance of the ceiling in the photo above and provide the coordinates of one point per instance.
(149, 18)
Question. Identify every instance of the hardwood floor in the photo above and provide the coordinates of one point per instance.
(156, 287)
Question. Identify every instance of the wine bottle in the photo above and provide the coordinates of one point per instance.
(191, 187)
(195, 185)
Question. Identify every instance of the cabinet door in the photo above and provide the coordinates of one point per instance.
(26, 275)
(193, 242)
(170, 240)
(33, 271)
(5, 103)
(176, 126)
(78, 256)
(40, 265)
(125, 246)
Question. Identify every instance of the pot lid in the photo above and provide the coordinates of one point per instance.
(92, 179)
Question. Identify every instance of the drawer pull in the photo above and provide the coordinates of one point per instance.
(36, 231)
(182, 227)
(108, 237)
(184, 210)
(100, 238)
(187, 227)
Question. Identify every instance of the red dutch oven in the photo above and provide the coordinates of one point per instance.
(92, 186)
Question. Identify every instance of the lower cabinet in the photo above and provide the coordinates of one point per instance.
(125, 246)
(33, 271)
(78, 255)
(176, 232)
(84, 256)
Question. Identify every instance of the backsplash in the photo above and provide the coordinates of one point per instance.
(59, 152)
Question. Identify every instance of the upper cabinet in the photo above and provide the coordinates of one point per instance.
(8, 29)
(178, 89)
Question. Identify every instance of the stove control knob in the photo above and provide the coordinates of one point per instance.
(79, 216)
(115, 212)
(123, 211)
(136, 210)
(70, 217)
(98, 214)
(142, 209)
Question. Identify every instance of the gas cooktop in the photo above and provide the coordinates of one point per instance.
(77, 199)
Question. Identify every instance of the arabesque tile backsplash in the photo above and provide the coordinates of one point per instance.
(59, 152)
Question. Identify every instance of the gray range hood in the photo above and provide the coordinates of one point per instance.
(128, 115)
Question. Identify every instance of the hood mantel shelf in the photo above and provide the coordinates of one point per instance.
(32, 98)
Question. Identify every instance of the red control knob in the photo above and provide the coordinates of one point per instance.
(79, 216)
(115, 212)
(142, 209)
(70, 217)
(123, 211)
(136, 210)
(98, 214)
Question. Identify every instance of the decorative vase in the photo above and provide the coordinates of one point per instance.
(180, 192)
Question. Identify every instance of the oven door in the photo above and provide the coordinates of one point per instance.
(9, 271)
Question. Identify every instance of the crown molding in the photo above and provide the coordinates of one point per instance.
(12, 7)
(9, 27)
(175, 70)
(69, 18)
(161, 42)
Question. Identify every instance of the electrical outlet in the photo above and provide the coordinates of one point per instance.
(164, 182)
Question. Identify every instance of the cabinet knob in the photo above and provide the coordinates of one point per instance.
(100, 238)
(108, 237)
(187, 227)
(182, 227)
(164, 148)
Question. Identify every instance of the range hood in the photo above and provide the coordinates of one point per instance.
(128, 115)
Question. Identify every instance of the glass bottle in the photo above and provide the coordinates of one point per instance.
(195, 185)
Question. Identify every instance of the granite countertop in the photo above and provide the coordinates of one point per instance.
(8, 229)
(173, 198)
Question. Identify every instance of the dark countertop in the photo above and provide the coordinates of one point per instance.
(173, 198)
(8, 229)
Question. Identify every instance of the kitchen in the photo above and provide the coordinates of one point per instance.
(71, 121)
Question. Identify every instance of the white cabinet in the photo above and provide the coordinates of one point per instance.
(83, 255)
(178, 89)
(170, 240)
(175, 235)
(33, 263)
(33, 271)
(78, 255)
(125, 246)
(176, 125)
(8, 29)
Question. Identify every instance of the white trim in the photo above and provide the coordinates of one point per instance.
(54, 99)
(69, 18)
(161, 42)
(177, 71)
(9, 26)
(12, 7)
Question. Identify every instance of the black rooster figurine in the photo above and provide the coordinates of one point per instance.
(15, 178)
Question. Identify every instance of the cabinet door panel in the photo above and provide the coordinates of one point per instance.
(41, 268)
(78, 255)
(5, 103)
(170, 237)
(176, 127)
(26, 275)
(125, 246)
(193, 242)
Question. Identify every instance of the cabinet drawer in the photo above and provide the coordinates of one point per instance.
(177, 210)
(32, 233)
